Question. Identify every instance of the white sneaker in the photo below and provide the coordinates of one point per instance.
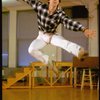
(46, 59)
(82, 54)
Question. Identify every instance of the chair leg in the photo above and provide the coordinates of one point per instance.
(98, 85)
(90, 76)
(82, 83)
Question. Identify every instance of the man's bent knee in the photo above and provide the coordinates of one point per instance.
(31, 51)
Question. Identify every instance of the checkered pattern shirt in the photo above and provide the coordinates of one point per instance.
(48, 23)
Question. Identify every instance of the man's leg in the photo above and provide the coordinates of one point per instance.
(69, 46)
(34, 50)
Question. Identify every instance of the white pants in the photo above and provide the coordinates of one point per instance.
(57, 40)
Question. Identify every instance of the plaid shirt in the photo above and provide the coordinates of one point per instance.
(48, 23)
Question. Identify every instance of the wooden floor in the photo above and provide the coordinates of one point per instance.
(50, 94)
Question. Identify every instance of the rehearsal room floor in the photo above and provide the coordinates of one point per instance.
(50, 94)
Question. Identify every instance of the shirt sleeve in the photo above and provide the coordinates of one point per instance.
(34, 3)
(69, 23)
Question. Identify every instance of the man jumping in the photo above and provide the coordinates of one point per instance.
(49, 17)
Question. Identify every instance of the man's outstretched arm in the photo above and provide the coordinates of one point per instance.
(75, 26)
(35, 4)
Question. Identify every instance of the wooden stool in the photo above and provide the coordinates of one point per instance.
(86, 76)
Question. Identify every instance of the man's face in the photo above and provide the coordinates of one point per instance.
(53, 3)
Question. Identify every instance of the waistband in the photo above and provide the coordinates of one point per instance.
(48, 32)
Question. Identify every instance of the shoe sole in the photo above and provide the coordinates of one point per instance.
(84, 56)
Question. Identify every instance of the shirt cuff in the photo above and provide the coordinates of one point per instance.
(83, 28)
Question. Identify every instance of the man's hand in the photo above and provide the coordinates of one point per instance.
(89, 33)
